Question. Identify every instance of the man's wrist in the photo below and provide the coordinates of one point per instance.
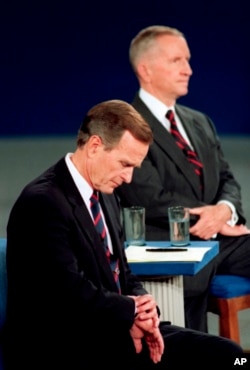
(234, 217)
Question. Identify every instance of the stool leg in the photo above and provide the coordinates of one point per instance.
(229, 324)
(229, 327)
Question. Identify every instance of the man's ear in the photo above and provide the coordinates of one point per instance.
(143, 72)
(94, 144)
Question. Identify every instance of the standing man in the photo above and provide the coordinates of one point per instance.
(73, 302)
(184, 166)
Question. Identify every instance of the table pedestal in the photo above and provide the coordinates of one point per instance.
(164, 279)
(168, 293)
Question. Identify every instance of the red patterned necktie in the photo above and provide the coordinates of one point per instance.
(100, 227)
(183, 145)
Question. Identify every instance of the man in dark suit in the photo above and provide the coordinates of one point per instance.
(66, 308)
(160, 57)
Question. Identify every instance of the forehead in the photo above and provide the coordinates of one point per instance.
(131, 149)
(171, 45)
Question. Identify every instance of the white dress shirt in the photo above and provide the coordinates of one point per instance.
(159, 110)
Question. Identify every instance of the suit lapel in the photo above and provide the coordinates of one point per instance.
(192, 129)
(196, 135)
(85, 222)
(168, 145)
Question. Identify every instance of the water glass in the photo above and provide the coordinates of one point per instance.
(179, 225)
(134, 225)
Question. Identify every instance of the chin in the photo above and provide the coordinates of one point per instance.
(183, 92)
(108, 190)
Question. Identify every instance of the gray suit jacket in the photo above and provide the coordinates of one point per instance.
(166, 178)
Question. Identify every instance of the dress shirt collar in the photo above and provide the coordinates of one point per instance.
(157, 108)
(84, 188)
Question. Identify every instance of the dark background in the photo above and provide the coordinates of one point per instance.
(60, 58)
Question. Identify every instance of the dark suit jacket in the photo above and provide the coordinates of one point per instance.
(63, 307)
(166, 178)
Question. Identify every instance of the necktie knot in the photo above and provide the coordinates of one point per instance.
(170, 115)
(94, 197)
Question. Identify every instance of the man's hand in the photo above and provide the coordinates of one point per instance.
(211, 220)
(155, 345)
(236, 230)
(152, 337)
(146, 308)
(146, 325)
(137, 334)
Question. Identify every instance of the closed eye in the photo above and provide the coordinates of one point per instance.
(126, 164)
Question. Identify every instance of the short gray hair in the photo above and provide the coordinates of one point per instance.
(144, 40)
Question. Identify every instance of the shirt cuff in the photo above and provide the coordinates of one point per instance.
(234, 217)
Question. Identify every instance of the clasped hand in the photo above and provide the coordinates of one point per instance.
(146, 325)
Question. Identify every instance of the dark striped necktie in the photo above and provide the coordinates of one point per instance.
(100, 227)
(183, 145)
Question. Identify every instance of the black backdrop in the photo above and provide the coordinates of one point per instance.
(59, 58)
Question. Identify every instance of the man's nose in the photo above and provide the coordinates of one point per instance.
(188, 68)
(127, 175)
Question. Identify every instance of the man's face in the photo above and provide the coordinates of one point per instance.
(109, 169)
(168, 68)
